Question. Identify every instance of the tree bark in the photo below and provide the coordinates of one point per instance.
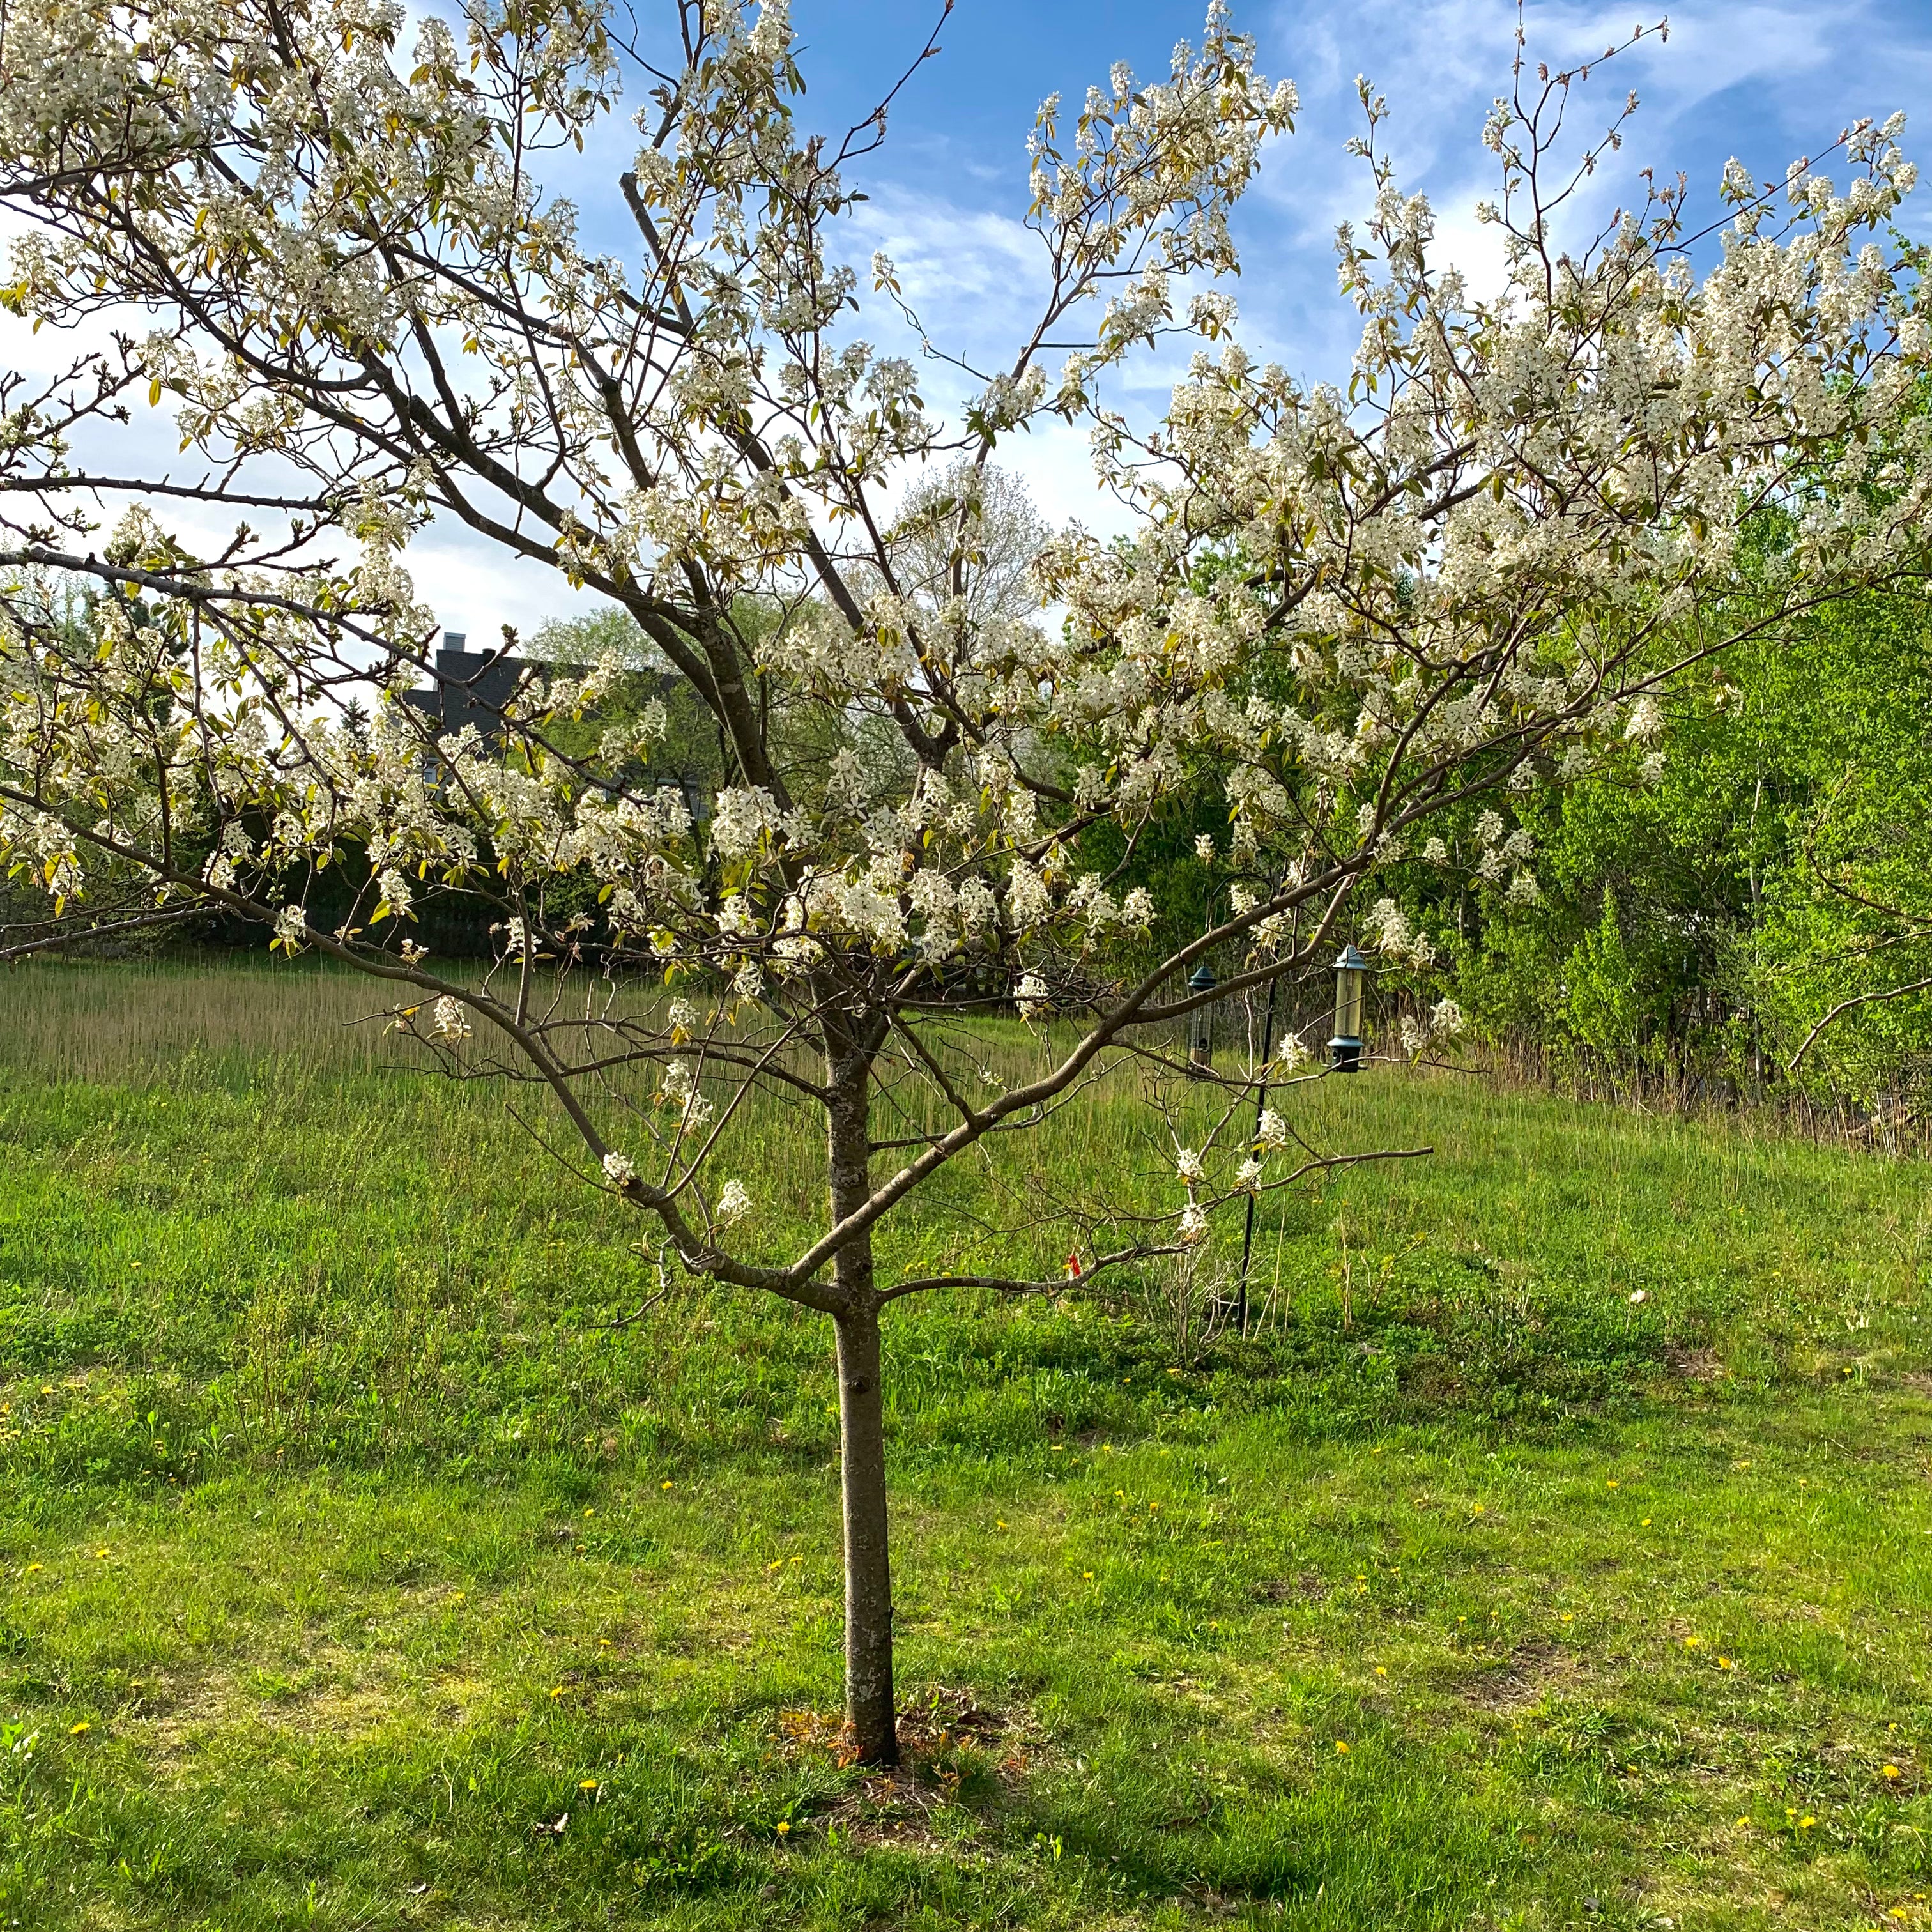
(869, 1703)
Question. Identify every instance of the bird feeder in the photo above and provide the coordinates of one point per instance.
(1344, 1050)
(1200, 1022)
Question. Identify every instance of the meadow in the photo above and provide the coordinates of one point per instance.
(1558, 1553)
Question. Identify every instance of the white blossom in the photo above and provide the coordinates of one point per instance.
(1293, 1052)
(449, 1022)
(1646, 723)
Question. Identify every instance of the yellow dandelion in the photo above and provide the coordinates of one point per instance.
(1805, 1824)
(1610, 1483)
(80, 1730)
(1341, 1748)
(1646, 1523)
(587, 1784)
(1725, 1663)
(1475, 1509)
(558, 1692)
(784, 1825)
(30, 1569)
(1892, 1771)
(664, 1485)
(1382, 1670)
(1692, 1642)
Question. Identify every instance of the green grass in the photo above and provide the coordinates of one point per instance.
(361, 1555)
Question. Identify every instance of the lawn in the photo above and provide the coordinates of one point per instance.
(1558, 1555)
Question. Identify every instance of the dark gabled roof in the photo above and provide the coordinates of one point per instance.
(473, 688)
(469, 688)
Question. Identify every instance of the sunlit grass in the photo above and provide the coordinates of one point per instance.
(1578, 1487)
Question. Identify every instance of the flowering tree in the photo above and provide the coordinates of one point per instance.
(1349, 609)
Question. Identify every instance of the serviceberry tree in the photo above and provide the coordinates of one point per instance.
(322, 235)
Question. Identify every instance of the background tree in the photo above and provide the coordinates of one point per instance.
(1747, 920)
(1357, 611)
(1843, 970)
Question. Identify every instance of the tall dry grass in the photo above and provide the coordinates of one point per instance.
(1509, 1159)
(126, 1021)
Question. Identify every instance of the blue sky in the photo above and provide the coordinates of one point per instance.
(1764, 80)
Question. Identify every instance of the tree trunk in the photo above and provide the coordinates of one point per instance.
(869, 1706)
(869, 1703)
